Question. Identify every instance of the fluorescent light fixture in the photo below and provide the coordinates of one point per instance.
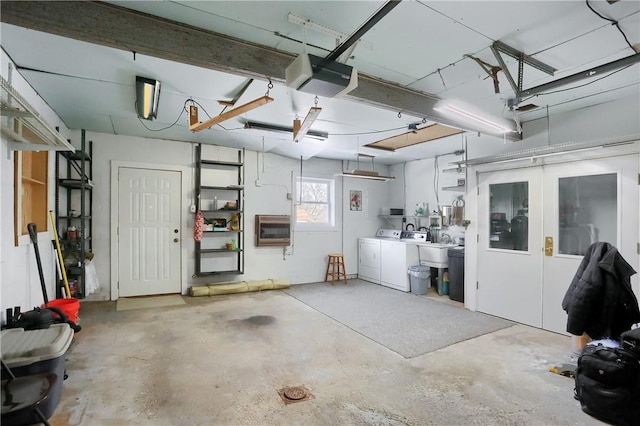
(196, 126)
(456, 110)
(147, 97)
(365, 174)
(283, 129)
(301, 132)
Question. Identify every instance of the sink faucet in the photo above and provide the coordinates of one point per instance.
(445, 239)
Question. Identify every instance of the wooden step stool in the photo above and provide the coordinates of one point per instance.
(335, 268)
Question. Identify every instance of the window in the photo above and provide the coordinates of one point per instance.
(587, 212)
(30, 191)
(509, 222)
(315, 202)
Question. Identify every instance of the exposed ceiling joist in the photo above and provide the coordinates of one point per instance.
(117, 27)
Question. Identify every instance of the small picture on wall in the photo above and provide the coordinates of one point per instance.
(356, 201)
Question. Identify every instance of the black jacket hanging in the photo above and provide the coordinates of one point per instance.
(599, 300)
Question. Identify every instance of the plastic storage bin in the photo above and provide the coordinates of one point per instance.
(37, 351)
(456, 273)
(419, 278)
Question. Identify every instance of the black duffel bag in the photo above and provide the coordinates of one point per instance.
(608, 384)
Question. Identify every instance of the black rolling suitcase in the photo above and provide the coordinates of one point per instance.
(631, 341)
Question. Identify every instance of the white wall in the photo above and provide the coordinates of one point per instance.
(304, 262)
(605, 122)
(417, 182)
(307, 259)
(19, 278)
(365, 223)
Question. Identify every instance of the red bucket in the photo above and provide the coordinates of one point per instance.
(71, 307)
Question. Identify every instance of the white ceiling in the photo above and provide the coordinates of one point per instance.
(419, 46)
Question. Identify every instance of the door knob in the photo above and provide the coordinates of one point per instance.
(175, 240)
(548, 246)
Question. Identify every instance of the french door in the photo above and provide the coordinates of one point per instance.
(588, 201)
(510, 256)
(535, 225)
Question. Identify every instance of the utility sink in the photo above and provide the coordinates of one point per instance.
(434, 254)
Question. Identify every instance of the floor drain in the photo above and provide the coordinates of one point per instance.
(291, 394)
(295, 393)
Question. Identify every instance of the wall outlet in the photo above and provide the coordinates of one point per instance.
(192, 208)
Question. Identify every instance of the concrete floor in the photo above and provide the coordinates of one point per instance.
(222, 360)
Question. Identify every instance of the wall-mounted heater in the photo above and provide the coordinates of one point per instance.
(147, 97)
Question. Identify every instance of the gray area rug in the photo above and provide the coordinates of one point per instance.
(405, 323)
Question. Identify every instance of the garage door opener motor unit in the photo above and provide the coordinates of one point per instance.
(319, 76)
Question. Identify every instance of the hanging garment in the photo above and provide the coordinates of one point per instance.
(599, 300)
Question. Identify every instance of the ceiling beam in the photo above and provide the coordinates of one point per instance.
(117, 27)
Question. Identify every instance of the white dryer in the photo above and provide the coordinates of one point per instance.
(369, 254)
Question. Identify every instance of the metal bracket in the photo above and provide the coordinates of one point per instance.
(499, 47)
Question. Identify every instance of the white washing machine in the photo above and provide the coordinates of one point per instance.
(396, 258)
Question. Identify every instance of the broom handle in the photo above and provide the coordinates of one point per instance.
(33, 234)
(62, 267)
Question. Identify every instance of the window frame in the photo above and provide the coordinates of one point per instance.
(331, 203)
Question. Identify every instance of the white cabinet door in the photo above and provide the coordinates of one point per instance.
(369, 260)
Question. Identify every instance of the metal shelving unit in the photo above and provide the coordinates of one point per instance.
(224, 181)
(73, 211)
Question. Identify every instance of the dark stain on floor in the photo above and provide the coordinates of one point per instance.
(256, 321)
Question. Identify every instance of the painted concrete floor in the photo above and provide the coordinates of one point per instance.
(222, 360)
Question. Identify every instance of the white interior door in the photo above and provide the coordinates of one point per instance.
(586, 202)
(510, 245)
(149, 240)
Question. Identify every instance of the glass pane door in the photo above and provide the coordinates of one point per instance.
(587, 212)
(509, 211)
